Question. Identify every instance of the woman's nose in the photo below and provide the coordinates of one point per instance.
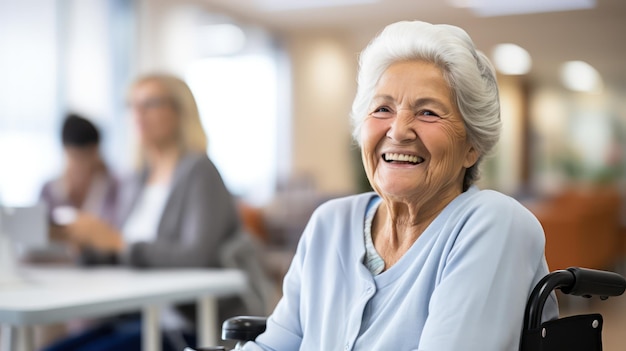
(402, 127)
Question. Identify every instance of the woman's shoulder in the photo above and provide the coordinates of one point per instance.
(194, 159)
(493, 202)
(52, 185)
(53, 192)
(492, 209)
(196, 165)
(344, 207)
(336, 217)
(335, 226)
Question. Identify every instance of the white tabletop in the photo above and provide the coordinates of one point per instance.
(54, 294)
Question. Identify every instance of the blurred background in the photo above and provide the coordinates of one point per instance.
(275, 79)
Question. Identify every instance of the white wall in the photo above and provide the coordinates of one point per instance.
(503, 169)
(324, 84)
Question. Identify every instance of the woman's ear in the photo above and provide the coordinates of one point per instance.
(471, 156)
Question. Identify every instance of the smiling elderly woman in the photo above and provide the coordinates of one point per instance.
(428, 261)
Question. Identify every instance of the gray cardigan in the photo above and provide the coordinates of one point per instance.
(199, 217)
(199, 227)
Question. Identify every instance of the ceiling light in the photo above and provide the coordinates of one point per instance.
(462, 3)
(283, 5)
(516, 7)
(581, 76)
(511, 59)
(220, 39)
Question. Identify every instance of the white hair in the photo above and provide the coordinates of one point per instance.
(468, 72)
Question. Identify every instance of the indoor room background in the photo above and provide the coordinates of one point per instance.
(275, 79)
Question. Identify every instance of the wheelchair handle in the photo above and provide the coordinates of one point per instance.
(574, 281)
(243, 328)
(590, 282)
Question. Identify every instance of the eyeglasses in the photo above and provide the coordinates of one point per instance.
(150, 103)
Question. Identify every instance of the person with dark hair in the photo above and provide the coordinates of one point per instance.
(86, 183)
(85, 186)
(78, 131)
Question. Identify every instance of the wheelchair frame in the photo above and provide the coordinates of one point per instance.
(585, 330)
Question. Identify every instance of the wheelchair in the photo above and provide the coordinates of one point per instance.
(574, 333)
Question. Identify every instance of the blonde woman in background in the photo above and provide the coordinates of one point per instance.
(174, 212)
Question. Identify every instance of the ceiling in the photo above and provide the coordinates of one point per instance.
(595, 35)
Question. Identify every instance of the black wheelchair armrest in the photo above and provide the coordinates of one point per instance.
(240, 329)
(243, 328)
(591, 282)
(575, 281)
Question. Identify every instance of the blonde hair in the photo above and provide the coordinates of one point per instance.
(191, 133)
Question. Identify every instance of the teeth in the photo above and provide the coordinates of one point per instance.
(403, 158)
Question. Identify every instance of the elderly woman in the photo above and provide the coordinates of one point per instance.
(427, 262)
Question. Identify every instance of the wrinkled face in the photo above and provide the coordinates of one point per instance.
(414, 143)
(154, 113)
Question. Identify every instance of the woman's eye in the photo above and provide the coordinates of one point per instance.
(381, 112)
(428, 115)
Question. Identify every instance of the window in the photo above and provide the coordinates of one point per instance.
(238, 102)
(29, 107)
(58, 56)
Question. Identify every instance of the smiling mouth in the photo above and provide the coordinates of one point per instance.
(402, 159)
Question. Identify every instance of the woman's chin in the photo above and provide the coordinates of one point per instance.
(397, 190)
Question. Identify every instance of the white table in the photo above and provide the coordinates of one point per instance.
(57, 294)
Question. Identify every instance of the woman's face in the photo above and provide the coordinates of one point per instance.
(154, 114)
(414, 143)
(81, 160)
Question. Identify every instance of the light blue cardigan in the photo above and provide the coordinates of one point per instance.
(462, 285)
